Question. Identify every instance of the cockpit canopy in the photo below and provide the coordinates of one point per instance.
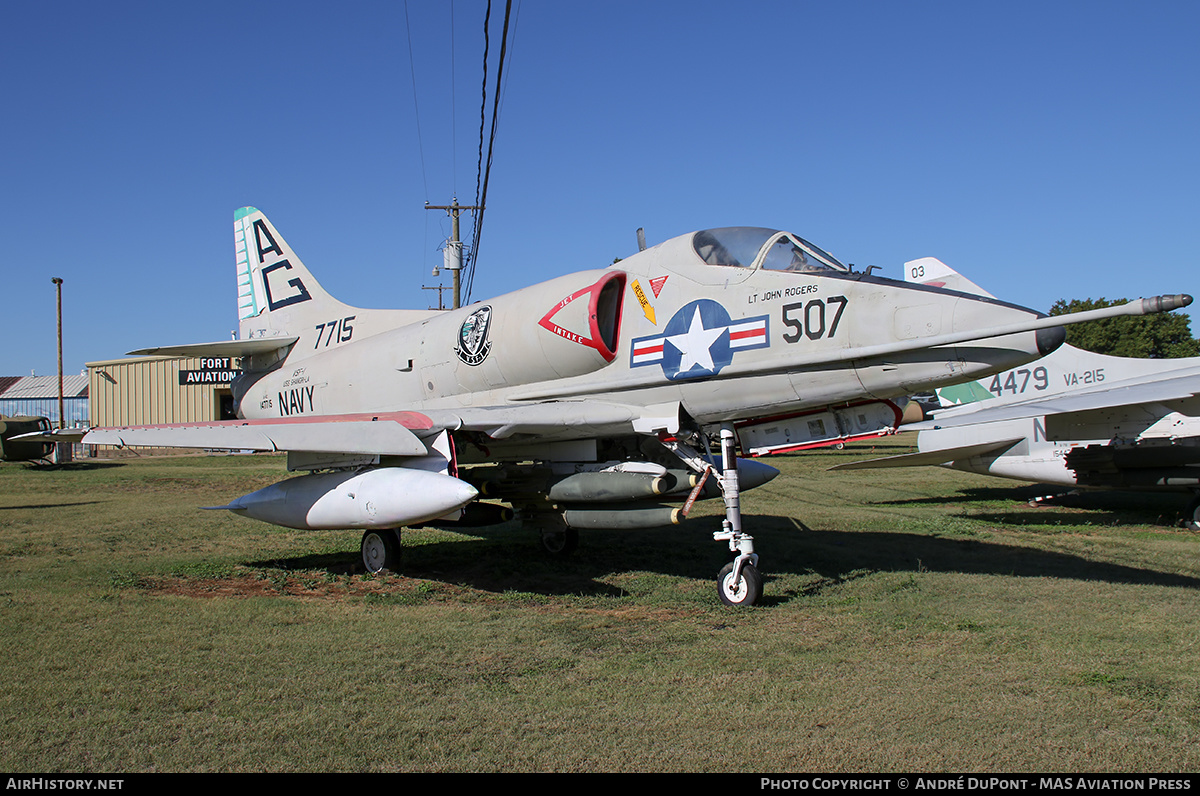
(758, 247)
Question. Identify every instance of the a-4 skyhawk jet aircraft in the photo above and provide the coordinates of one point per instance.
(585, 401)
(1075, 419)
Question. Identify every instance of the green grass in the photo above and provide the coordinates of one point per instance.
(913, 620)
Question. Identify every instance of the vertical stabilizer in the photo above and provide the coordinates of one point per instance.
(277, 295)
(935, 273)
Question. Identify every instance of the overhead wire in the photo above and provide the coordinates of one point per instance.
(512, 45)
(483, 173)
(487, 25)
(453, 108)
(412, 70)
(483, 165)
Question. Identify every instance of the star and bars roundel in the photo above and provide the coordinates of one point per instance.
(699, 340)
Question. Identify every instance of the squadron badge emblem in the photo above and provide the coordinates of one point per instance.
(473, 344)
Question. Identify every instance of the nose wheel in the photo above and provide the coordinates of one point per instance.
(742, 587)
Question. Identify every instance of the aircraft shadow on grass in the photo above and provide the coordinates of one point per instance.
(1056, 495)
(50, 505)
(72, 467)
(1104, 507)
(503, 558)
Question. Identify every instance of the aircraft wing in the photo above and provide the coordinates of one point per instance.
(1102, 396)
(391, 433)
(931, 457)
(221, 348)
(558, 418)
(386, 434)
(68, 435)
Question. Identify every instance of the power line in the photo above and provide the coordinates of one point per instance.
(487, 24)
(412, 69)
(482, 185)
(453, 108)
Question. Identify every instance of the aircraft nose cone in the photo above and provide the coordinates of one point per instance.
(1165, 303)
(1048, 340)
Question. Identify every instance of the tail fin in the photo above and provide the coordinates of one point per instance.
(932, 271)
(277, 295)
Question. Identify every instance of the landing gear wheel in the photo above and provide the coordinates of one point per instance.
(1191, 515)
(560, 542)
(381, 550)
(745, 591)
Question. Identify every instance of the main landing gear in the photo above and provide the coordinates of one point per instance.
(1191, 515)
(560, 541)
(381, 550)
(739, 582)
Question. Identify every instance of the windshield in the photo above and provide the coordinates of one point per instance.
(742, 246)
(737, 246)
(802, 256)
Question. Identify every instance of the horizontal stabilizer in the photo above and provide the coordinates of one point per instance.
(944, 456)
(223, 348)
(68, 435)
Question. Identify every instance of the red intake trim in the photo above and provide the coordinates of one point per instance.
(596, 339)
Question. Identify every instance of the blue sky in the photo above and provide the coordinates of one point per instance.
(1047, 150)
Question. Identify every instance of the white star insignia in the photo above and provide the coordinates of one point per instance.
(695, 344)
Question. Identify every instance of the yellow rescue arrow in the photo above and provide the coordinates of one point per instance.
(645, 302)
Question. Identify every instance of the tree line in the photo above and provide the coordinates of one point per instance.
(1167, 335)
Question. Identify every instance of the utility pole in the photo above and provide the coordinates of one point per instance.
(441, 305)
(62, 450)
(454, 245)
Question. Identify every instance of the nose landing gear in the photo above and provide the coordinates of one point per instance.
(739, 582)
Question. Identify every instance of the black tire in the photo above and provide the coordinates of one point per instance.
(1191, 515)
(745, 592)
(381, 550)
(560, 542)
